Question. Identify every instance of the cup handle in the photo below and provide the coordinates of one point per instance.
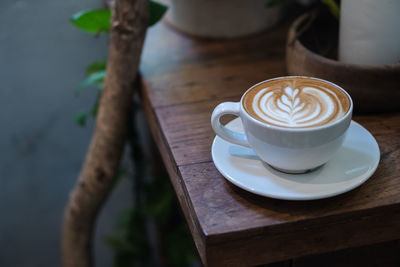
(222, 109)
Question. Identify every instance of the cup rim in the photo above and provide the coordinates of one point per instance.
(288, 129)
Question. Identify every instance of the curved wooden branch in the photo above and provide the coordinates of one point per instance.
(129, 23)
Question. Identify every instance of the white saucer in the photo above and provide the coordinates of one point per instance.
(354, 163)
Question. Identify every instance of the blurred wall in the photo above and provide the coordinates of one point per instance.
(42, 59)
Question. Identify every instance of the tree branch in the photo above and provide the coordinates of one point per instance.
(129, 23)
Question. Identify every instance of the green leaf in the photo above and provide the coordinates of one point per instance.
(157, 11)
(96, 78)
(181, 253)
(96, 66)
(274, 3)
(80, 118)
(94, 21)
(94, 110)
(121, 171)
(124, 219)
(120, 244)
(160, 208)
(333, 7)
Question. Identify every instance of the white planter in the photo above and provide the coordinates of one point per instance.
(370, 32)
(221, 18)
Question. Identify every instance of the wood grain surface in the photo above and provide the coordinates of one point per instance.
(183, 80)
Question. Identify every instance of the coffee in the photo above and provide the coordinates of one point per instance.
(297, 105)
(296, 102)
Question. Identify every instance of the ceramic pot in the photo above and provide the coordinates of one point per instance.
(372, 88)
(369, 32)
(221, 18)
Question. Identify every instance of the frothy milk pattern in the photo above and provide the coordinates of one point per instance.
(296, 103)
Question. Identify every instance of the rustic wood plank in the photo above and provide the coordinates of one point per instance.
(183, 80)
(176, 181)
(188, 131)
(178, 69)
(335, 234)
(227, 212)
(185, 126)
(189, 134)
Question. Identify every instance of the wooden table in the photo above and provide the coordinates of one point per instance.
(183, 80)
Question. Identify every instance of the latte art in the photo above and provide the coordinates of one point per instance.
(296, 102)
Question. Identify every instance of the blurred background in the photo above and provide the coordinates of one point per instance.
(42, 60)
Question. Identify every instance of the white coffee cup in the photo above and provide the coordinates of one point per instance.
(292, 150)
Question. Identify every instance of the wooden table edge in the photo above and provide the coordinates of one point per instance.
(191, 220)
(217, 245)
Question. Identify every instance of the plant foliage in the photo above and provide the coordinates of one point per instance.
(97, 21)
(333, 7)
(154, 198)
(96, 66)
(157, 11)
(94, 21)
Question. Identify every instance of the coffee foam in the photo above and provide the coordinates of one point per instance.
(298, 102)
